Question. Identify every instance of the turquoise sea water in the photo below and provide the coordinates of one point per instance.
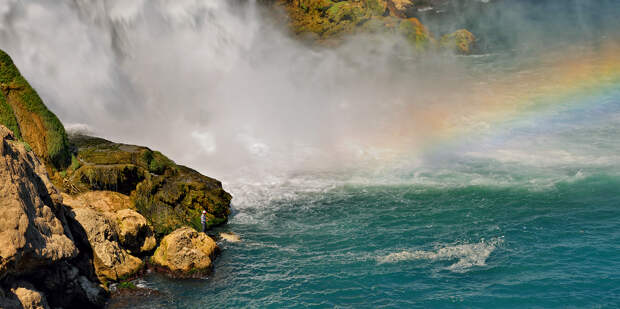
(523, 213)
(409, 246)
(527, 218)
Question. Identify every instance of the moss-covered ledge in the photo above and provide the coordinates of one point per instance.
(166, 194)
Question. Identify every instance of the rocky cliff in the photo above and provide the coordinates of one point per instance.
(40, 264)
(167, 194)
(96, 221)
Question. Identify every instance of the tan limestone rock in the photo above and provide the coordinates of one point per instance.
(186, 253)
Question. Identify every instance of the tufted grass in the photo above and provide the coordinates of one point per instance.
(56, 138)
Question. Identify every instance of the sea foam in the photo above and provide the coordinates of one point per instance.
(467, 255)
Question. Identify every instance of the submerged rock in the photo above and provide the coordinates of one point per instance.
(185, 253)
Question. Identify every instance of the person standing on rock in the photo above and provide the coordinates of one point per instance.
(203, 220)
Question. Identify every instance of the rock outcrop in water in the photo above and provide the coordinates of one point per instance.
(62, 249)
(461, 41)
(329, 21)
(186, 253)
(166, 194)
(40, 263)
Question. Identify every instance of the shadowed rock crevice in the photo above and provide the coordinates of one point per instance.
(41, 266)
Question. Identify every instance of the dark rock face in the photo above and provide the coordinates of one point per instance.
(166, 194)
(41, 262)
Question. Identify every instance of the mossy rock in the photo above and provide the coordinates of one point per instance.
(415, 32)
(7, 117)
(98, 151)
(122, 178)
(344, 11)
(331, 20)
(23, 111)
(320, 5)
(381, 24)
(178, 197)
(460, 41)
(166, 194)
(376, 7)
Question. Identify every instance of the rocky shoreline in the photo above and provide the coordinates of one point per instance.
(79, 214)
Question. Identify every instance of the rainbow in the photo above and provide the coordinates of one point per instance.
(575, 80)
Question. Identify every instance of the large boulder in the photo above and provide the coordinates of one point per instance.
(185, 253)
(111, 262)
(22, 110)
(32, 231)
(135, 233)
(29, 297)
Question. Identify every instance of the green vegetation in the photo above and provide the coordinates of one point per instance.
(344, 11)
(168, 195)
(27, 146)
(29, 114)
(320, 5)
(75, 163)
(415, 32)
(178, 197)
(375, 7)
(127, 285)
(7, 117)
(460, 41)
(330, 20)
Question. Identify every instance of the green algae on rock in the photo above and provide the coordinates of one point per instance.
(415, 32)
(330, 20)
(23, 111)
(460, 41)
(167, 194)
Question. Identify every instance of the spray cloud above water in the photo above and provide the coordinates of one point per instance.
(217, 85)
